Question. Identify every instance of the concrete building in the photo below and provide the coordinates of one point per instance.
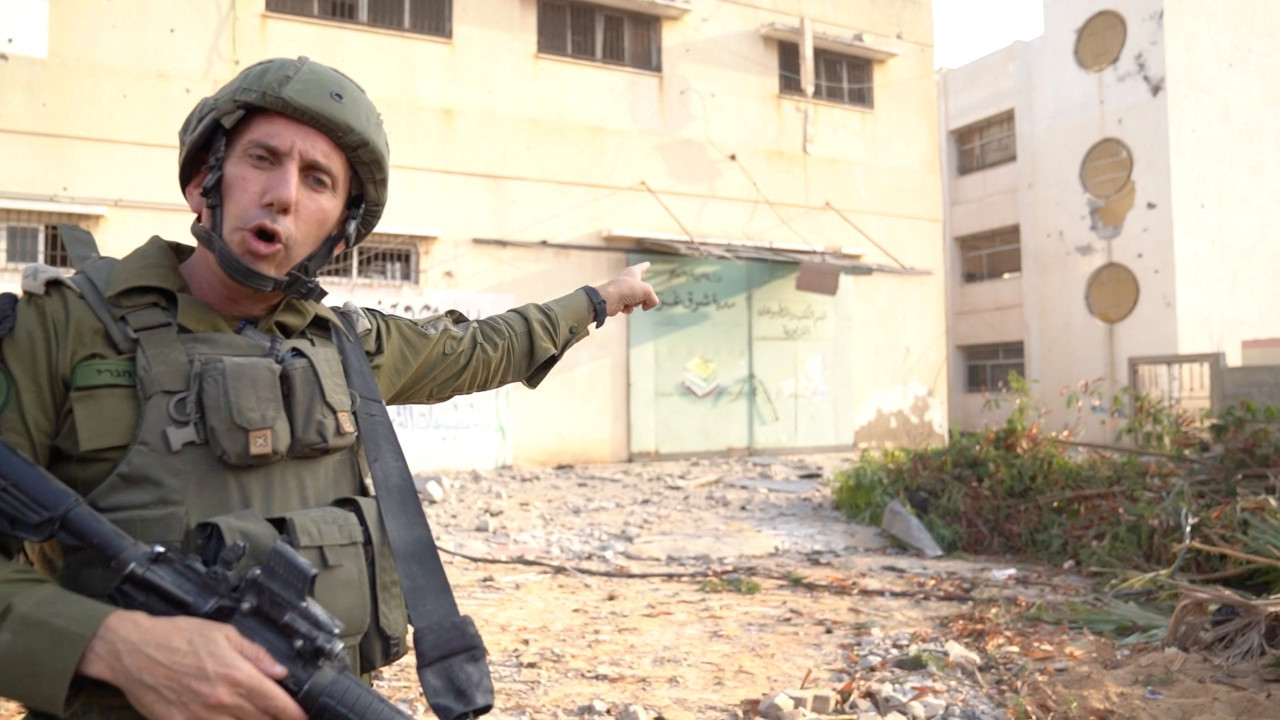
(538, 145)
(1107, 220)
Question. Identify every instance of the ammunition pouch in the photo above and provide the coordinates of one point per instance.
(347, 545)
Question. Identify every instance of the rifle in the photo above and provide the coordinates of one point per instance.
(269, 604)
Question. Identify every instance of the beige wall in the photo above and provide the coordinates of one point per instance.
(1190, 97)
(1222, 134)
(1061, 111)
(492, 140)
(1072, 109)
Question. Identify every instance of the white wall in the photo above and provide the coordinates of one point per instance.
(990, 311)
(1071, 110)
(1223, 107)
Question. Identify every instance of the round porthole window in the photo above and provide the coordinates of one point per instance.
(1112, 293)
(1106, 168)
(1100, 40)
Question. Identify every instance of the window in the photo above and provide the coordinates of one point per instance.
(838, 78)
(599, 34)
(987, 367)
(30, 237)
(386, 258)
(427, 17)
(987, 143)
(993, 255)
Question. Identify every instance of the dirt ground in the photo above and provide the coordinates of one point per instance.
(560, 639)
(628, 586)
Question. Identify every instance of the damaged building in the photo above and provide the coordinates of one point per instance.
(776, 161)
(1108, 213)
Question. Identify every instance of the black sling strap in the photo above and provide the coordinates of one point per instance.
(451, 656)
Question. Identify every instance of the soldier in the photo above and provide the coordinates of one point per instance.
(199, 396)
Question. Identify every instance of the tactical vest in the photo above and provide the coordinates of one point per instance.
(239, 437)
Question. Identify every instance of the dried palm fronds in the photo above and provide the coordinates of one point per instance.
(1225, 624)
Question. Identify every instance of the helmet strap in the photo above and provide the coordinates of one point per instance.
(300, 281)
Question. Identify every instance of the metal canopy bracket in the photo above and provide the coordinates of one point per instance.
(855, 44)
(669, 9)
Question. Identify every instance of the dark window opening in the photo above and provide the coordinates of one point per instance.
(990, 142)
(993, 255)
(425, 17)
(395, 261)
(26, 244)
(838, 78)
(988, 367)
(599, 34)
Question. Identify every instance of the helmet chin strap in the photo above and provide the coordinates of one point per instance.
(300, 281)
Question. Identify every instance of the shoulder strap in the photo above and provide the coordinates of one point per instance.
(93, 273)
(80, 245)
(451, 656)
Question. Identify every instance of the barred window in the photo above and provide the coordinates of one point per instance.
(839, 78)
(426, 17)
(987, 143)
(600, 34)
(992, 255)
(385, 258)
(987, 367)
(32, 237)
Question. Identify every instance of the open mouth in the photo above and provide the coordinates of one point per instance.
(266, 235)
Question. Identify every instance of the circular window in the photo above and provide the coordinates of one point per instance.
(1112, 293)
(1106, 168)
(1100, 41)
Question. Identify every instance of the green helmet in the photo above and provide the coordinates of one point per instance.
(310, 93)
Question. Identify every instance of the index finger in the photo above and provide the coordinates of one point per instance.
(637, 270)
(272, 700)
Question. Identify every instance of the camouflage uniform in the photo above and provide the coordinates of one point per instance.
(71, 403)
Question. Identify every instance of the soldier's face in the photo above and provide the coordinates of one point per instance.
(284, 190)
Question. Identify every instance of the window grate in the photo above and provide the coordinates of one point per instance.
(425, 17)
(988, 367)
(604, 35)
(992, 255)
(32, 237)
(990, 142)
(382, 258)
(838, 78)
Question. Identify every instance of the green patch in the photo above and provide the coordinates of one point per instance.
(738, 584)
(6, 388)
(104, 373)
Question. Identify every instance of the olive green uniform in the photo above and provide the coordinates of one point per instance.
(81, 427)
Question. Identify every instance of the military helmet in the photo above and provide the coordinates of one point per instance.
(310, 93)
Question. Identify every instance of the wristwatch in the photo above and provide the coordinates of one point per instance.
(597, 304)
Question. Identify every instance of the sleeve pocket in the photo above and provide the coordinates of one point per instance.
(104, 417)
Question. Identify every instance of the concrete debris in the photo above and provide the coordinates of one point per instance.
(633, 712)
(905, 526)
(773, 706)
(824, 702)
(803, 699)
(714, 515)
(430, 487)
(884, 691)
(594, 708)
(962, 656)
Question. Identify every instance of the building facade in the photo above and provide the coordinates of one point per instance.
(538, 145)
(1104, 223)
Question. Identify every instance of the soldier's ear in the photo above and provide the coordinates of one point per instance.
(195, 200)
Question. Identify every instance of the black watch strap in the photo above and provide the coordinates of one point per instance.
(597, 303)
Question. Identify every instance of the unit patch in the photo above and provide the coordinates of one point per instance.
(104, 373)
